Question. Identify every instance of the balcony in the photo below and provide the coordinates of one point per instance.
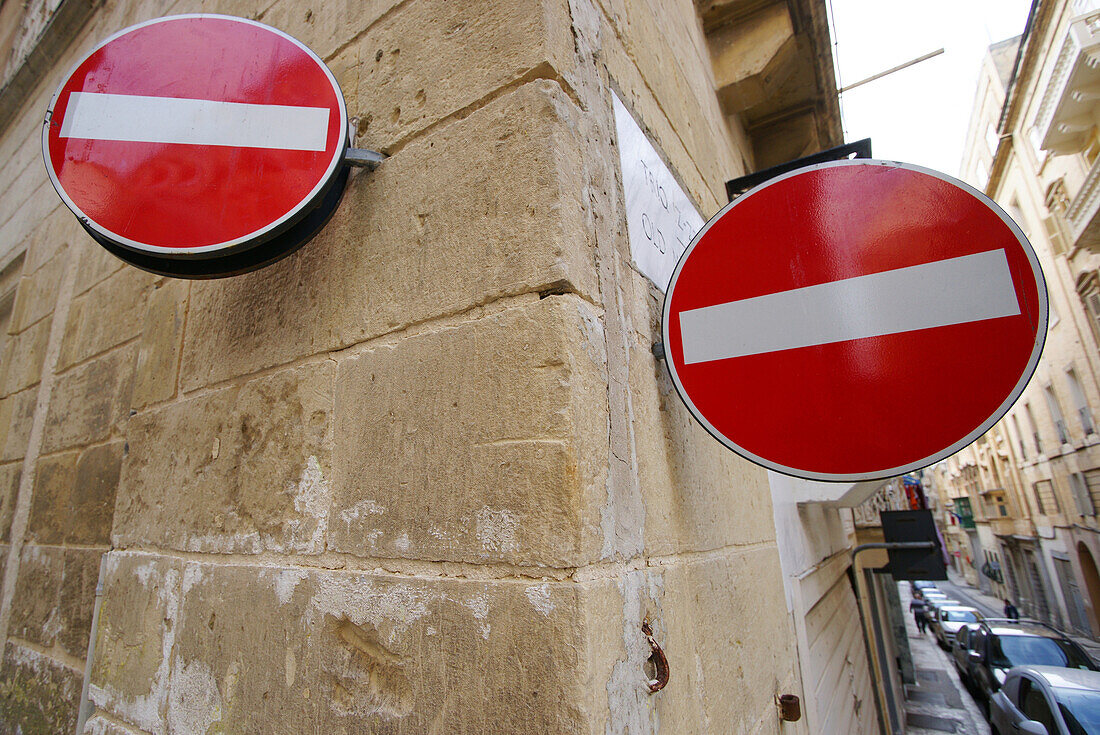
(1068, 115)
(1011, 527)
(1068, 107)
(773, 71)
(960, 508)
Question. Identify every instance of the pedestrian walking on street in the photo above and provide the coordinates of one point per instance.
(1011, 611)
(920, 612)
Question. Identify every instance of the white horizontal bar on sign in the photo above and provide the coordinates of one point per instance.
(969, 288)
(141, 119)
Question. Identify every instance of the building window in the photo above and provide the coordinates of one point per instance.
(1094, 309)
(1034, 429)
(1056, 416)
(9, 279)
(963, 511)
(1088, 290)
(1092, 148)
(1057, 201)
(992, 139)
(1081, 405)
(1045, 499)
(1019, 437)
(1092, 486)
(996, 504)
(1081, 496)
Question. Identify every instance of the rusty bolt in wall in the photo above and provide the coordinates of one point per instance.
(790, 708)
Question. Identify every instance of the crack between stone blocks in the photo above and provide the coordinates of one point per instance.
(4, 192)
(26, 199)
(101, 548)
(78, 448)
(607, 284)
(615, 569)
(183, 340)
(705, 555)
(342, 562)
(39, 320)
(32, 386)
(24, 493)
(345, 563)
(329, 509)
(656, 100)
(55, 655)
(489, 307)
(117, 722)
(545, 70)
(560, 441)
(102, 353)
(395, 8)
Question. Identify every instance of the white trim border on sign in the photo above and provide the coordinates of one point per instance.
(245, 241)
(886, 472)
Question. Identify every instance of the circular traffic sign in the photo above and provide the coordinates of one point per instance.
(197, 138)
(854, 320)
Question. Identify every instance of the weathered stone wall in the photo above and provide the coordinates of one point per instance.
(423, 476)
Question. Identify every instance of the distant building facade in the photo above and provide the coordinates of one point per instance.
(425, 475)
(1031, 486)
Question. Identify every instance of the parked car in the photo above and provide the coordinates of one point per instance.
(934, 605)
(941, 599)
(947, 619)
(1047, 700)
(998, 644)
(960, 654)
(922, 585)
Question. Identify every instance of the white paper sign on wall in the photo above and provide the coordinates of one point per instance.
(661, 220)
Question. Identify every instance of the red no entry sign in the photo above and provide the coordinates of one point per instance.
(195, 137)
(854, 320)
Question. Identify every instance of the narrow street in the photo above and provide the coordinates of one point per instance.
(938, 702)
(969, 596)
(991, 607)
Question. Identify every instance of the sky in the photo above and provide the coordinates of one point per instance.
(920, 114)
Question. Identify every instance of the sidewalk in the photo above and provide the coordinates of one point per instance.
(996, 607)
(938, 702)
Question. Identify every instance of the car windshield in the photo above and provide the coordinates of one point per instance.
(1006, 651)
(1080, 709)
(958, 616)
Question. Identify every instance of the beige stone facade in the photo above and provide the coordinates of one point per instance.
(425, 475)
(1032, 484)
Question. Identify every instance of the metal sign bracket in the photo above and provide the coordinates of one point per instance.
(363, 158)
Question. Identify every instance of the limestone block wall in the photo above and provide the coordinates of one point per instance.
(423, 476)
